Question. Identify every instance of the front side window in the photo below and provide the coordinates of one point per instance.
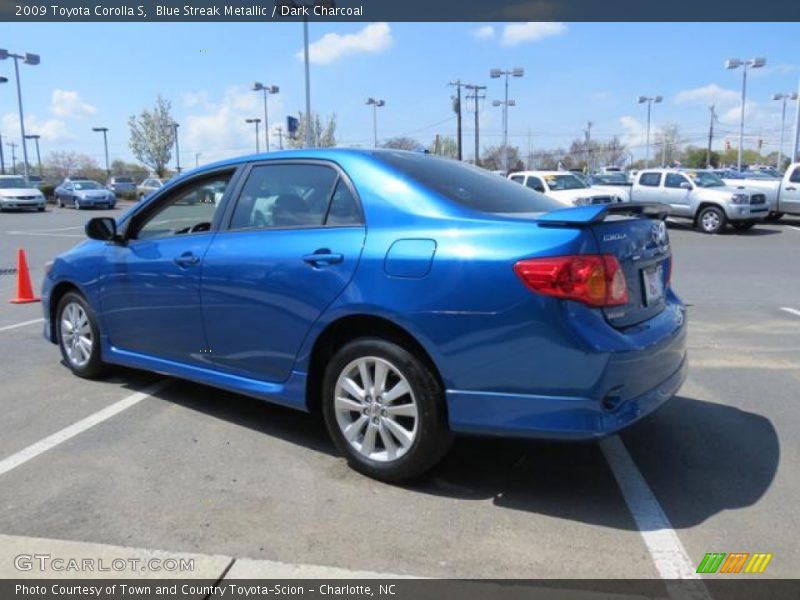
(673, 180)
(535, 184)
(190, 209)
(284, 195)
(795, 178)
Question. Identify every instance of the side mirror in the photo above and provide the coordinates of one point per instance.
(686, 185)
(102, 228)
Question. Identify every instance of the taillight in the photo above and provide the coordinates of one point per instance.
(596, 280)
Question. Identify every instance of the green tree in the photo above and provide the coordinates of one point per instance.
(152, 136)
(322, 135)
(695, 157)
(126, 169)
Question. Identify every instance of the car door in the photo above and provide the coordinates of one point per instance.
(647, 188)
(292, 245)
(64, 193)
(790, 193)
(150, 284)
(676, 193)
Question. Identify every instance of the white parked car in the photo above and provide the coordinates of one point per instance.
(568, 188)
(15, 192)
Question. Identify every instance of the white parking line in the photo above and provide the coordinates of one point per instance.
(34, 450)
(23, 324)
(45, 234)
(669, 556)
(793, 311)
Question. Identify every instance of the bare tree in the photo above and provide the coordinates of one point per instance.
(444, 146)
(152, 136)
(402, 143)
(61, 164)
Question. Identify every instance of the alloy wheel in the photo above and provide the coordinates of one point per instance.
(76, 334)
(376, 410)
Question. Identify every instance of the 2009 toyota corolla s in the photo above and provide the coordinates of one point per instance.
(407, 297)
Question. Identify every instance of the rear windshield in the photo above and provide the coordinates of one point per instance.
(468, 185)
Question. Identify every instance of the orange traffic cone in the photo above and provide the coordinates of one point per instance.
(24, 287)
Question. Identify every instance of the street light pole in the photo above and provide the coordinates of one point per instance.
(784, 97)
(177, 149)
(13, 145)
(795, 150)
(375, 105)
(649, 100)
(35, 138)
(28, 59)
(494, 74)
(2, 158)
(267, 89)
(256, 121)
(735, 63)
(104, 131)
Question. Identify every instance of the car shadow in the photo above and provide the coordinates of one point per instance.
(700, 458)
(758, 230)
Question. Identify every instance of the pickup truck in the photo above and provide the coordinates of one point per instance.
(568, 188)
(783, 195)
(702, 197)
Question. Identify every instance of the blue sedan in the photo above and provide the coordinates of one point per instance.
(83, 193)
(405, 297)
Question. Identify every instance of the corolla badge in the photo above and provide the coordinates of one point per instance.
(613, 237)
(659, 233)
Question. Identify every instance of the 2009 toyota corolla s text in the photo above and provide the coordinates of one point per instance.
(407, 297)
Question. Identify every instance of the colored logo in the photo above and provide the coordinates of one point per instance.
(733, 563)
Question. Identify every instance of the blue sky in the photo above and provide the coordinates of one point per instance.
(99, 74)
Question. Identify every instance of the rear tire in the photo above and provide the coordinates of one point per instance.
(743, 226)
(393, 426)
(79, 336)
(711, 220)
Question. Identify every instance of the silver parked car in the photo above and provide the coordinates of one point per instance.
(15, 192)
(148, 186)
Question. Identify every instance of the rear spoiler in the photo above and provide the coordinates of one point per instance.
(596, 213)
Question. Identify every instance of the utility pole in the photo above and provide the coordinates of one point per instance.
(197, 159)
(587, 140)
(710, 134)
(279, 129)
(2, 158)
(457, 109)
(38, 155)
(795, 154)
(476, 96)
(13, 145)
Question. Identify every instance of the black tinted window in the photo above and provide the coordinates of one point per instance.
(535, 184)
(344, 208)
(650, 179)
(467, 185)
(795, 178)
(673, 180)
(284, 196)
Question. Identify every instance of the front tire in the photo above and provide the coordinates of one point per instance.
(79, 336)
(384, 409)
(711, 220)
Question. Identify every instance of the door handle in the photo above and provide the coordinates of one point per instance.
(791, 189)
(323, 257)
(187, 259)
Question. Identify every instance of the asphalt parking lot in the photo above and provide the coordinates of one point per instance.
(193, 469)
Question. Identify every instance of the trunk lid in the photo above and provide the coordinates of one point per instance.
(635, 233)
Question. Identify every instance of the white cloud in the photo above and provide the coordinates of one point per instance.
(372, 39)
(533, 31)
(66, 103)
(484, 33)
(52, 131)
(635, 132)
(194, 99)
(708, 94)
(218, 129)
(600, 95)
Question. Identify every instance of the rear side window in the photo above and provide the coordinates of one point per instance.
(283, 195)
(517, 178)
(795, 178)
(344, 209)
(650, 179)
(467, 185)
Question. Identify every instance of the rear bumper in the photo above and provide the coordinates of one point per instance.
(633, 384)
